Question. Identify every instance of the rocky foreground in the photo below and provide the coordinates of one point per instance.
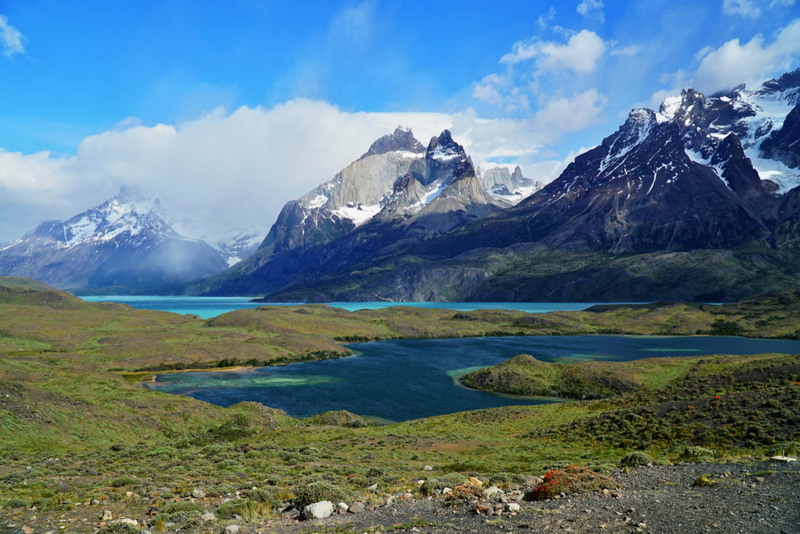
(756, 497)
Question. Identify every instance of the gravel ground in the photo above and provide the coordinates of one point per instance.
(753, 498)
(759, 497)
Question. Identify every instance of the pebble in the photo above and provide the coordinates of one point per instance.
(198, 494)
(357, 507)
(208, 516)
(107, 515)
(231, 529)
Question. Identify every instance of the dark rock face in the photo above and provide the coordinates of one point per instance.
(638, 192)
(738, 171)
(401, 140)
(787, 84)
(784, 144)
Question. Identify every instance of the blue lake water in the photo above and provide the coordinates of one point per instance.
(409, 379)
(207, 307)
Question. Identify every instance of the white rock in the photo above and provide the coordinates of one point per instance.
(427, 468)
(513, 507)
(127, 521)
(373, 488)
(342, 507)
(231, 529)
(208, 516)
(107, 515)
(491, 491)
(318, 510)
(198, 494)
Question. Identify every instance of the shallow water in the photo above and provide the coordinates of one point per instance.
(411, 379)
(208, 307)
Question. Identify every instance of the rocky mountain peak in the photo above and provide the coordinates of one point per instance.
(784, 144)
(443, 147)
(401, 140)
(686, 107)
(787, 86)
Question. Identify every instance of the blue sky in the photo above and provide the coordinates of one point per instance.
(237, 106)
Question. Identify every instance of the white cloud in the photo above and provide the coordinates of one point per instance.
(580, 54)
(10, 38)
(626, 51)
(734, 63)
(565, 115)
(545, 19)
(586, 7)
(238, 167)
(745, 8)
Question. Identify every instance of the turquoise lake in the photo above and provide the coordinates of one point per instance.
(400, 380)
(207, 307)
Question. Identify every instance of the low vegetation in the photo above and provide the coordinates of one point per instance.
(76, 432)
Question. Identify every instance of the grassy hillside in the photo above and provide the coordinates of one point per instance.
(66, 393)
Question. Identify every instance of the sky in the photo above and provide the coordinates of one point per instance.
(231, 108)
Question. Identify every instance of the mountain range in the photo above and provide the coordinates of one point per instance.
(128, 243)
(699, 200)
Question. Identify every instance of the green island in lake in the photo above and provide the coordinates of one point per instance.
(81, 436)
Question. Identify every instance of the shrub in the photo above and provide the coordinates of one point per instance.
(636, 459)
(13, 477)
(122, 481)
(504, 480)
(258, 495)
(181, 507)
(447, 481)
(320, 491)
(118, 528)
(43, 503)
(467, 492)
(574, 479)
(703, 481)
(15, 503)
(697, 454)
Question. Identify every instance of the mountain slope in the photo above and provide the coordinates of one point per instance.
(119, 243)
(672, 205)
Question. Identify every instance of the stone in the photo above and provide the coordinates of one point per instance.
(373, 488)
(513, 507)
(208, 516)
(357, 507)
(198, 494)
(127, 521)
(491, 491)
(27, 529)
(318, 510)
(107, 515)
(447, 491)
(231, 529)
(341, 508)
(475, 482)
(427, 468)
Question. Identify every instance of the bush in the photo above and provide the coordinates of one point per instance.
(697, 454)
(258, 495)
(703, 481)
(320, 491)
(13, 477)
(447, 481)
(15, 503)
(118, 528)
(504, 480)
(574, 479)
(181, 507)
(123, 481)
(43, 503)
(636, 459)
(467, 492)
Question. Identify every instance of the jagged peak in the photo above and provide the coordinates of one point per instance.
(444, 147)
(401, 140)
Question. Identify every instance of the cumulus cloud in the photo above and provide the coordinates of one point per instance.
(10, 38)
(745, 8)
(734, 63)
(565, 115)
(580, 54)
(234, 168)
(587, 7)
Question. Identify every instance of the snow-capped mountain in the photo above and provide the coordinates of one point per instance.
(398, 188)
(700, 178)
(122, 242)
(512, 187)
(756, 117)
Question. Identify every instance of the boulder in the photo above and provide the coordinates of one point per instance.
(318, 510)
